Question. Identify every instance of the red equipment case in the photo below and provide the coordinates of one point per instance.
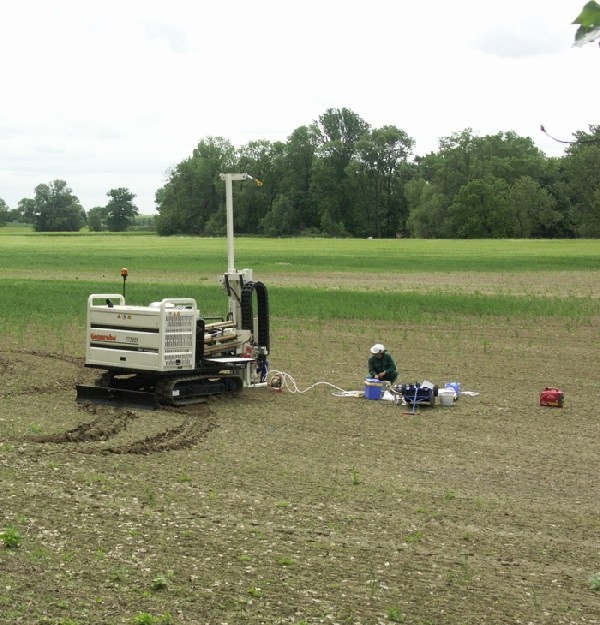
(552, 397)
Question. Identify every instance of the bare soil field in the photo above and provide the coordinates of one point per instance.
(544, 283)
(310, 507)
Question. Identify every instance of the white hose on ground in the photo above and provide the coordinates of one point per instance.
(281, 379)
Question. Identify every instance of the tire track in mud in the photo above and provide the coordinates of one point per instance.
(190, 432)
(108, 422)
(104, 426)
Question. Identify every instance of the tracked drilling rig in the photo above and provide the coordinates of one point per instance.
(167, 353)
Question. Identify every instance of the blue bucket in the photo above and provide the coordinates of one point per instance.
(455, 386)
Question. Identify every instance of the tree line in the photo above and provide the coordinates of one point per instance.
(54, 208)
(340, 177)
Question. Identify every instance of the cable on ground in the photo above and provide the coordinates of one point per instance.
(280, 380)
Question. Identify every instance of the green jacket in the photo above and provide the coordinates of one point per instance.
(387, 364)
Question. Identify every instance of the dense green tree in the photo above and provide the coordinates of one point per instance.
(464, 156)
(191, 199)
(27, 209)
(4, 212)
(338, 131)
(96, 219)
(282, 218)
(480, 210)
(555, 180)
(54, 208)
(120, 210)
(427, 210)
(264, 161)
(14, 214)
(330, 197)
(378, 198)
(455, 164)
(582, 164)
(533, 208)
(463, 159)
(508, 156)
(446, 172)
(297, 212)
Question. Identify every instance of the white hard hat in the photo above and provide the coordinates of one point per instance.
(378, 348)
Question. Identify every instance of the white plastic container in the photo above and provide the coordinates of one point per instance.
(446, 396)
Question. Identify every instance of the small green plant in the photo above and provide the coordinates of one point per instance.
(285, 561)
(62, 604)
(395, 615)
(159, 582)
(149, 499)
(184, 478)
(119, 574)
(465, 568)
(355, 476)
(254, 591)
(283, 504)
(10, 537)
(595, 582)
(414, 537)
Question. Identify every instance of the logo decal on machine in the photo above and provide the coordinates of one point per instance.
(103, 337)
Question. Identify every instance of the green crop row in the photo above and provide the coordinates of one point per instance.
(55, 302)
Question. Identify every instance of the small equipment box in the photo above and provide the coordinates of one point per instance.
(416, 394)
(552, 397)
(373, 388)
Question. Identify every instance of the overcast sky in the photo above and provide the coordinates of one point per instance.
(112, 94)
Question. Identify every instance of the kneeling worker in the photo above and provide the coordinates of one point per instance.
(381, 364)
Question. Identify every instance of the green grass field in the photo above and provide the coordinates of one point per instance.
(84, 254)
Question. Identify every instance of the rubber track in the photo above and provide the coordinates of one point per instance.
(264, 335)
(164, 388)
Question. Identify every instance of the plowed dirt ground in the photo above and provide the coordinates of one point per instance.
(308, 507)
